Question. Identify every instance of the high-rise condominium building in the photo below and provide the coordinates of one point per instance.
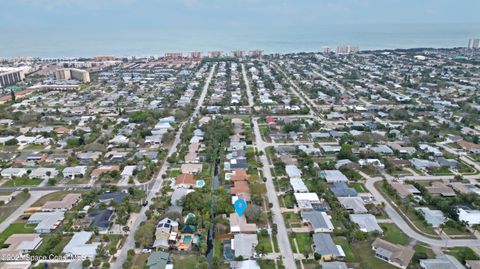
(72, 73)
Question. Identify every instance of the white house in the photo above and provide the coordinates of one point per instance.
(13, 172)
(73, 171)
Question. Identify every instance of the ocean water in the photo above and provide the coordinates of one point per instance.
(155, 42)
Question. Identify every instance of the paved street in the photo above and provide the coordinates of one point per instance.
(282, 235)
(402, 224)
(247, 85)
(130, 241)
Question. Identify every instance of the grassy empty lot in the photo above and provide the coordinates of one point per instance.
(8, 209)
(140, 260)
(16, 228)
(264, 243)
(188, 261)
(342, 241)
(304, 241)
(393, 234)
(22, 182)
(292, 219)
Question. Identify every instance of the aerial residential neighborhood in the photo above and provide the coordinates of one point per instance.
(346, 159)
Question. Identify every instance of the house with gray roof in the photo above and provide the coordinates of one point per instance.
(366, 222)
(319, 221)
(432, 217)
(323, 244)
(158, 260)
(353, 204)
(46, 221)
(244, 245)
(441, 262)
(341, 189)
(332, 176)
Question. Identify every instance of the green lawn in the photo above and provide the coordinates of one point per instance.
(174, 173)
(185, 261)
(357, 186)
(304, 241)
(34, 147)
(287, 200)
(292, 219)
(140, 260)
(8, 209)
(463, 253)
(264, 243)
(423, 249)
(16, 228)
(393, 234)
(342, 241)
(22, 182)
(266, 264)
(217, 248)
(458, 233)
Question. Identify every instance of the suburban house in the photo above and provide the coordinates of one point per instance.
(185, 181)
(394, 254)
(43, 173)
(78, 245)
(332, 176)
(46, 221)
(238, 224)
(319, 221)
(63, 205)
(443, 261)
(324, 246)
(244, 245)
(166, 233)
(20, 244)
(366, 222)
(159, 260)
(74, 171)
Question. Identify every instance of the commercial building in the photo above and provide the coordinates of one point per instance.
(9, 76)
(73, 73)
(474, 43)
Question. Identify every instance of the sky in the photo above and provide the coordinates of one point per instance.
(32, 15)
(53, 28)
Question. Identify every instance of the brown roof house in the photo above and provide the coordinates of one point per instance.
(191, 168)
(394, 254)
(405, 189)
(468, 146)
(238, 224)
(238, 175)
(440, 189)
(241, 189)
(20, 244)
(185, 181)
(63, 205)
(104, 169)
